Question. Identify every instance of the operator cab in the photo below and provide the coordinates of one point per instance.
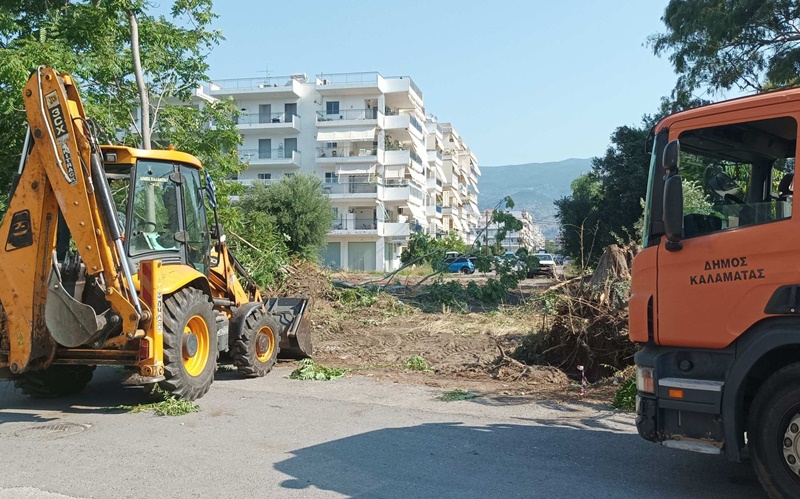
(733, 175)
(159, 201)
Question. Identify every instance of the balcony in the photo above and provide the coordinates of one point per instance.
(401, 190)
(268, 121)
(350, 153)
(354, 225)
(434, 211)
(274, 86)
(351, 190)
(435, 157)
(347, 116)
(270, 157)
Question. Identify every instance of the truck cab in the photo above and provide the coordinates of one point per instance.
(714, 297)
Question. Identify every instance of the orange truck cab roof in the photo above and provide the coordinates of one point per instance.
(123, 155)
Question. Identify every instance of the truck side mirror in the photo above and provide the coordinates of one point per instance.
(671, 155)
(673, 212)
(216, 231)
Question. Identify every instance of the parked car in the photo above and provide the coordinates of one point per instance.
(459, 264)
(547, 266)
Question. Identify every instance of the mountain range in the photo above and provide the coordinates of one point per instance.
(533, 187)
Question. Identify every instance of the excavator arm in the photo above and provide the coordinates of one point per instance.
(61, 174)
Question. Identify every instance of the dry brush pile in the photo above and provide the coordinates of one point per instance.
(589, 322)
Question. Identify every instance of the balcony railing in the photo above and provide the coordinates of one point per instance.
(361, 187)
(345, 152)
(280, 153)
(349, 114)
(354, 224)
(265, 118)
(415, 157)
(415, 123)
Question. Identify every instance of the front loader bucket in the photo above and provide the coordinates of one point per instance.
(296, 333)
(70, 322)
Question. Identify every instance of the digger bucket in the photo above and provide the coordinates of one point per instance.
(296, 333)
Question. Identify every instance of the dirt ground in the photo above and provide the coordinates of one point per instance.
(468, 351)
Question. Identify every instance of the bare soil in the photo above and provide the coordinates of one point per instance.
(468, 351)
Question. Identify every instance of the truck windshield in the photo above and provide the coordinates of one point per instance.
(737, 175)
(155, 211)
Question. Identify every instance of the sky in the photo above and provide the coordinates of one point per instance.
(521, 81)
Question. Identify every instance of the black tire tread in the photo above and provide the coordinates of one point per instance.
(244, 349)
(55, 381)
(178, 308)
(785, 379)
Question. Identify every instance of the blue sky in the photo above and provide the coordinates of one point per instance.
(522, 81)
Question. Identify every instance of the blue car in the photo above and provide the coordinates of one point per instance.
(460, 264)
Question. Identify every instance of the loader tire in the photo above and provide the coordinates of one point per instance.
(257, 345)
(190, 344)
(55, 381)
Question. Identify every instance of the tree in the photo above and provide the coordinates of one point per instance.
(91, 39)
(721, 44)
(301, 212)
(579, 215)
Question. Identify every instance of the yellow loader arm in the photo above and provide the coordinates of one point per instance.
(60, 171)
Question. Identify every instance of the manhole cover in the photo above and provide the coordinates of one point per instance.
(52, 430)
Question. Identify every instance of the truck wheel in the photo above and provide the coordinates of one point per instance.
(190, 344)
(55, 381)
(257, 345)
(773, 433)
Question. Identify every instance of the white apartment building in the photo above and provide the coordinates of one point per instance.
(529, 237)
(389, 170)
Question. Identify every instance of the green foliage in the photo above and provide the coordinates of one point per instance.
(167, 406)
(456, 395)
(301, 212)
(430, 249)
(256, 243)
(721, 44)
(358, 297)
(308, 370)
(91, 40)
(605, 206)
(418, 363)
(625, 395)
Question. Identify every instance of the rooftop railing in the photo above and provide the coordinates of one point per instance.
(348, 78)
(248, 83)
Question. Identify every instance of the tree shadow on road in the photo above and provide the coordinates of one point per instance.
(553, 461)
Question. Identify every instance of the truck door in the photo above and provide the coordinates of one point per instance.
(740, 240)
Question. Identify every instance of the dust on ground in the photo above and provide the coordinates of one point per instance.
(468, 351)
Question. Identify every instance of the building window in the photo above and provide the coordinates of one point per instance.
(332, 107)
(288, 175)
(264, 176)
(331, 178)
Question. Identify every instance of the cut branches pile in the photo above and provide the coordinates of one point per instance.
(589, 326)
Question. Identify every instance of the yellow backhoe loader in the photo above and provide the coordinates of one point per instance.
(108, 259)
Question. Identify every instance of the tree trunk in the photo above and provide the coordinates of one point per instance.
(144, 100)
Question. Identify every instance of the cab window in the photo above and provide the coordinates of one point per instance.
(737, 175)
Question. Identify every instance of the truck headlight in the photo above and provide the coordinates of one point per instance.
(645, 381)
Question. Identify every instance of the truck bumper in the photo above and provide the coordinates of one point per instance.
(685, 409)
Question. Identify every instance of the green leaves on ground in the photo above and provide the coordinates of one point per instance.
(456, 395)
(310, 370)
(167, 406)
(418, 363)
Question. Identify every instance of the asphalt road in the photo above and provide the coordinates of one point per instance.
(353, 437)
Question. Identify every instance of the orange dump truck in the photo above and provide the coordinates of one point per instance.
(715, 302)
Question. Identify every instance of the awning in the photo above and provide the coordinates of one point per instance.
(440, 173)
(418, 212)
(394, 171)
(355, 169)
(417, 176)
(456, 222)
(355, 134)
